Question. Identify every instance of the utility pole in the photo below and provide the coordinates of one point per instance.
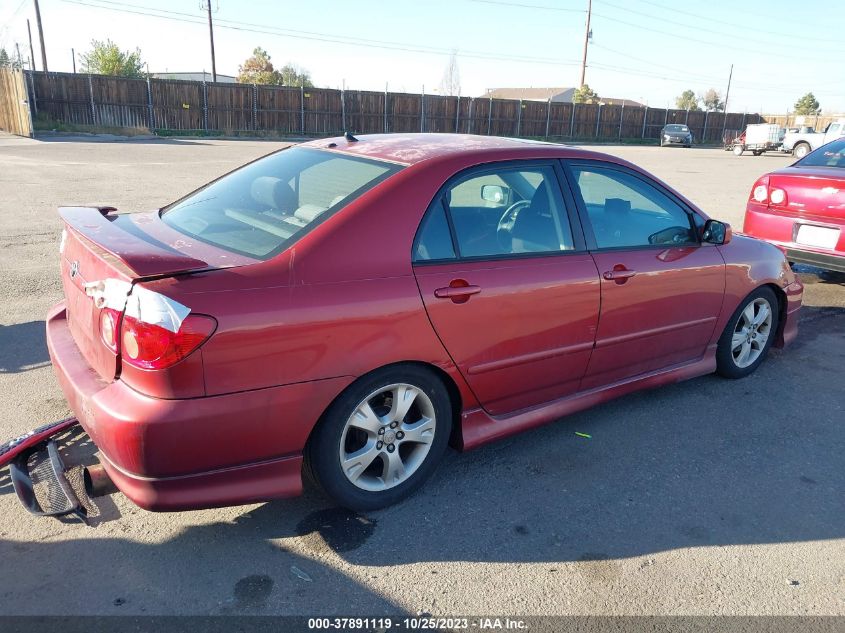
(586, 40)
(31, 50)
(207, 6)
(728, 91)
(41, 35)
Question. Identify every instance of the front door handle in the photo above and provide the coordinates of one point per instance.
(619, 273)
(457, 293)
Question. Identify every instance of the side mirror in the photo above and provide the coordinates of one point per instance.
(716, 232)
(495, 193)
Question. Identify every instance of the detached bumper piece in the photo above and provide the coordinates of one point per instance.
(43, 485)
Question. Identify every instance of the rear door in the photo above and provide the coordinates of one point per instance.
(508, 285)
(661, 288)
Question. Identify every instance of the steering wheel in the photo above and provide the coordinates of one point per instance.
(506, 222)
(672, 235)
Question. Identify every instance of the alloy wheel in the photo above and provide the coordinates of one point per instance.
(752, 330)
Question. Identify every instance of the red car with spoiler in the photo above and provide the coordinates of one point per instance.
(347, 308)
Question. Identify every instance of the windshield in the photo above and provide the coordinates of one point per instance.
(265, 206)
(676, 128)
(830, 155)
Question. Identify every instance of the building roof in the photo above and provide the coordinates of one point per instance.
(626, 102)
(200, 76)
(529, 94)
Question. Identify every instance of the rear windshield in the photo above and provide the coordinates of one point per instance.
(676, 128)
(830, 155)
(265, 206)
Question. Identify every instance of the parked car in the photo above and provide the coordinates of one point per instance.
(675, 134)
(801, 209)
(803, 142)
(349, 307)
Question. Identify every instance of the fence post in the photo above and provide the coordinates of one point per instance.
(686, 119)
(34, 98)
(598, 119)
(254, 107)
(343, 110)
(386, 126)
(458, 114)
(704, 133)
(422, 110)
(645, 118)
(490, 116)
(519, 118)
(621, 117)
(205, 105)
(470, 120)
(666, 117)
(548, 116)
(742, 125)
(302, 108)
(91, 93)
(150, 105)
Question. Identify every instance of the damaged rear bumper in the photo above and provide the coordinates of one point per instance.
(192, 453)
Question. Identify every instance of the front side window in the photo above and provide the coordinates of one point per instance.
(625, 211)
(264, 207)
(509, 211)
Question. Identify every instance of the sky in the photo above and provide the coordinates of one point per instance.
(646, 50)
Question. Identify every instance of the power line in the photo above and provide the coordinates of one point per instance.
(316, 36)
(528, 6)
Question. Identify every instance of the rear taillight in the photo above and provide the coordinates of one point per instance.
(760, 191)
(150, 346)
(109, 320)
(777, 196)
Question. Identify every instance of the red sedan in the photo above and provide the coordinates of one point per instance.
(801, 208)
(349, 307)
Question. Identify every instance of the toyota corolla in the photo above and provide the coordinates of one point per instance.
(349, 307)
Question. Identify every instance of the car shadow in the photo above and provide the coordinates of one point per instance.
(704, 463)
(22, 347)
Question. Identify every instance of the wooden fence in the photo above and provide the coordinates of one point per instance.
(172, 105)
(14, 106)
(816, 121)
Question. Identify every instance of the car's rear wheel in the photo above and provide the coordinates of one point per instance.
(748, 335)
(382, 438)
(800, 150)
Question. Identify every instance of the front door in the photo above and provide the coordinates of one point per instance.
(661, 288)
(508, 285)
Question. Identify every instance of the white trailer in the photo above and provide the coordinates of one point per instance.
(759, 138)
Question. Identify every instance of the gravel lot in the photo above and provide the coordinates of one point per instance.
(707, 497)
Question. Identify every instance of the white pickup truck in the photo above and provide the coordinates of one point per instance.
(801, 144)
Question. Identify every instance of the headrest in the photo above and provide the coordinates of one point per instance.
(617, 205)
(274, 193)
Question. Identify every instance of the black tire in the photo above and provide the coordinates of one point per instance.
(687, 146)
(322, 458)
(726, 365)
(801, 150)
(757, 153)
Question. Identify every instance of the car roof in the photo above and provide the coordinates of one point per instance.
(409, 149)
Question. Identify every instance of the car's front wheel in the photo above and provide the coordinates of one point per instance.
(748, 335)
(801, 150)
(382, 438)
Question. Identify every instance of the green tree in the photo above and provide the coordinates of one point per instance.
(106, 58)
(5, 60)
(687, 101)
(808, 104)
(258, 69)
(712, 100)
(292, 75)
(585, 94)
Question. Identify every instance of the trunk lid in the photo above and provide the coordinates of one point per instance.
(98, 245)
(812, 192)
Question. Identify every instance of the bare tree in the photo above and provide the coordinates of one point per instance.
(450, 85)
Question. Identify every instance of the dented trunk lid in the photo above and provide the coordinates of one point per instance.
(99, 245)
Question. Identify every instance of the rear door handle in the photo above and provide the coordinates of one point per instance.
(618, 274)
(457, 292)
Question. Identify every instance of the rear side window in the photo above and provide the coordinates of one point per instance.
(435, 239)
(264, 207)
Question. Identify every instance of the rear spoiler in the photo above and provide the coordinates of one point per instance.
(143, 257)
